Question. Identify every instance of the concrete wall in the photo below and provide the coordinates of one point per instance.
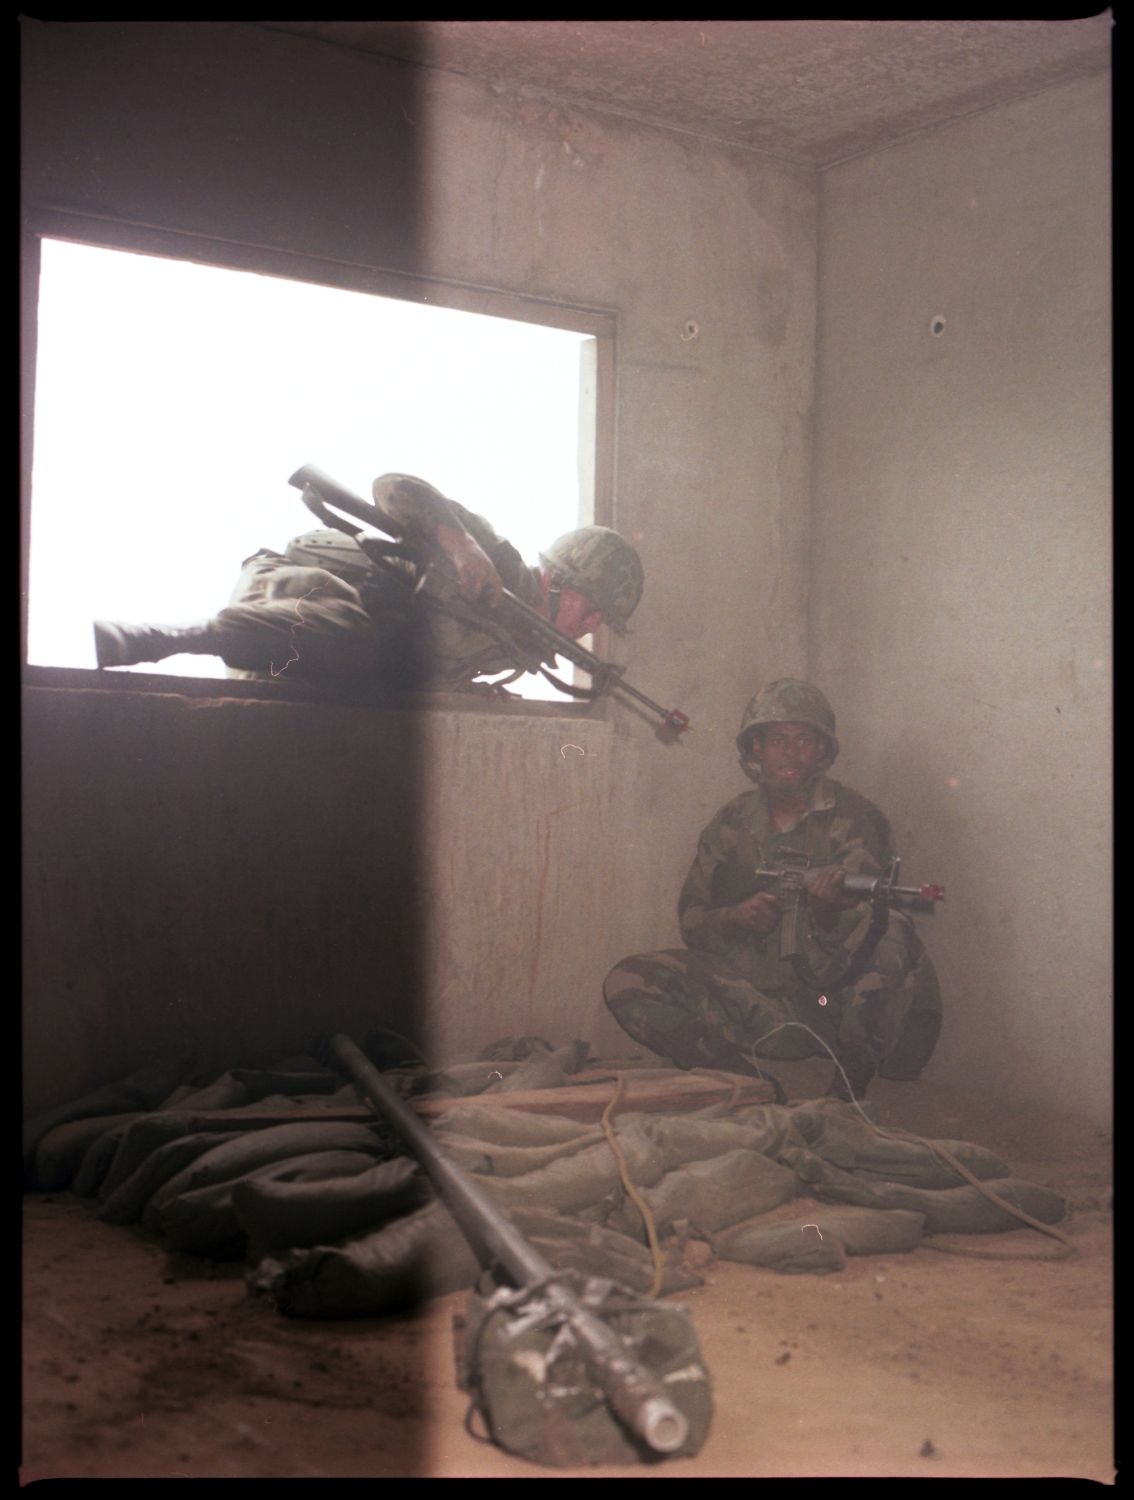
(551, 846)
(945, 579)
(214, 879)
(960, 563)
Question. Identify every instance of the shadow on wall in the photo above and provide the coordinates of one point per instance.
(213, 877)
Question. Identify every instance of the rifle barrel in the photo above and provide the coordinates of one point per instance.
(636, 1396)
(920, 897)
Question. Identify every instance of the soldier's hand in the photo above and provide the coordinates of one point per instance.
(477, 578)
(825, 898)
(759, 913)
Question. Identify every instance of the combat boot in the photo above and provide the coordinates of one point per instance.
(859, 1076)
(118, 645)
(693, 1045)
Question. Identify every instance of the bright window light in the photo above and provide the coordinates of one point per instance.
(173, 401)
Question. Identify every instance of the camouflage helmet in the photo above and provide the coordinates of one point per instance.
(788, 700)
(601, 564)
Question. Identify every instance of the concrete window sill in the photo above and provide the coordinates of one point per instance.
(84, 679)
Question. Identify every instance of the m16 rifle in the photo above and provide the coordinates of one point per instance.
(560, 1377)
(796, 875)
(511, 621)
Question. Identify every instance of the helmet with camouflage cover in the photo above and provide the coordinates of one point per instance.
(601, 564)
(788, 700)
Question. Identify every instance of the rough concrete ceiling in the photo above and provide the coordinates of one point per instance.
(810, 92)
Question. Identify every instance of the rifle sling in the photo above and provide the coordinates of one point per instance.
(568, 687)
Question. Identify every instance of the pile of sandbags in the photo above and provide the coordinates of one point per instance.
(334, 1220)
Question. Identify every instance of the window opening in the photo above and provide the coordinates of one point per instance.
(174, 399)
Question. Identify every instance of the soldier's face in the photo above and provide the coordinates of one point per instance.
(577, 614)
(787, 753)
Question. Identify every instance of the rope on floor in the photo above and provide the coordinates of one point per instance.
(632, 1192)
(947, 1158)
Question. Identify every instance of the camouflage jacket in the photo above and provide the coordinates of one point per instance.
(453, 650)
(840, 827)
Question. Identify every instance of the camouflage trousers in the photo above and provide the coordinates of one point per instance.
(296, 621)
(696, 1011)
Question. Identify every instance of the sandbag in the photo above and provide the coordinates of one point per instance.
(710, 1194)
(425, 1255)
(392, 1269)
(635, 1134)
(360, 1234)
(680, 1138)
(275, 1213)
(256, 1148)
(139, 1140)
(579, 1181)
(509, 1127)
(915, 1164)
(543, 1069)
(460, 1079)
(98, 1157)
(204, 1221)
(958, 1210)
(292, 1083)
(126, 1204)
(838, 1133)
(60, 1152)
(687, 1138)
(819, 1238)
(141, 1091)
(493, 1160)
(516, 1063)
(225, 1092)
(782, 1247)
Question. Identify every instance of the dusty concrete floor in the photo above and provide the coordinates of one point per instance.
(138, 1363)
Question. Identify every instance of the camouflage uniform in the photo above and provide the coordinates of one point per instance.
(322, 610)
(713, 1001)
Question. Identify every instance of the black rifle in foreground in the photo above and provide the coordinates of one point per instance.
(555, 1382)
(794, 878)
(511, 619)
